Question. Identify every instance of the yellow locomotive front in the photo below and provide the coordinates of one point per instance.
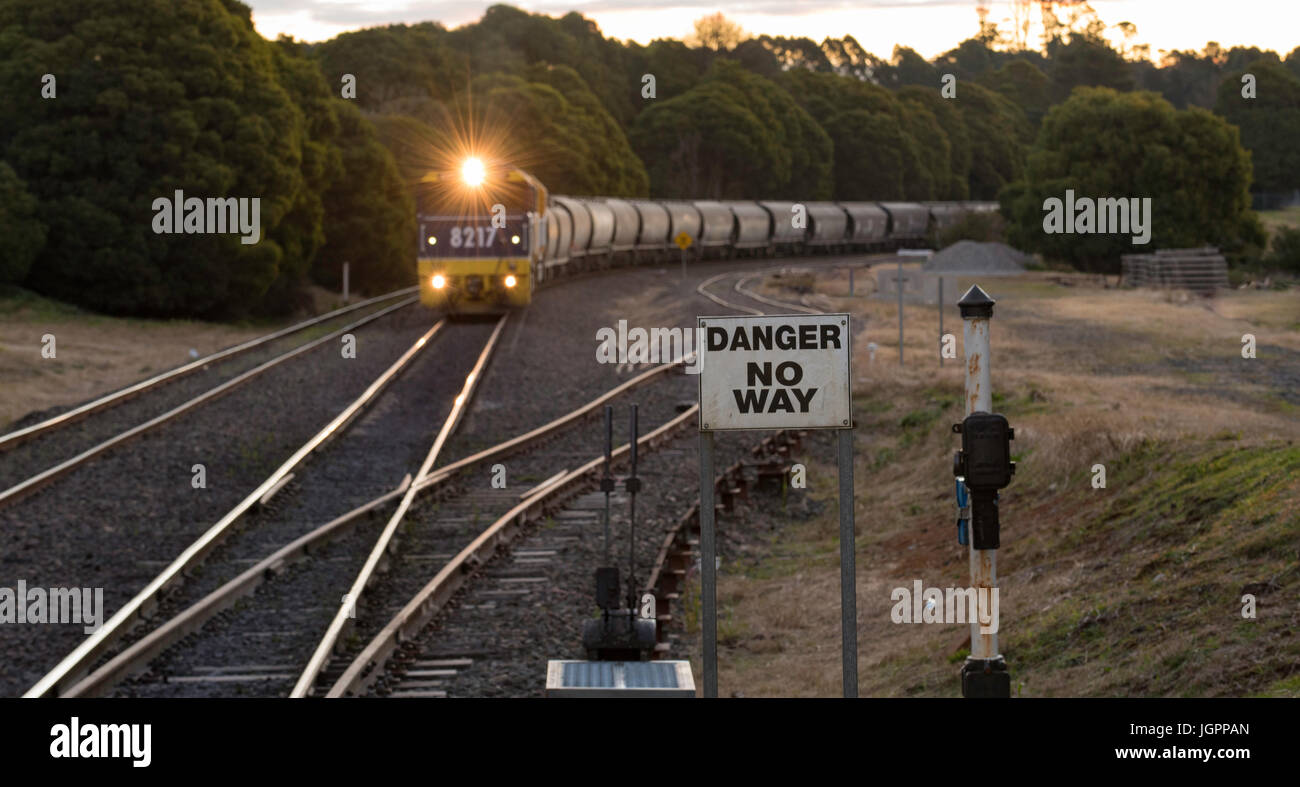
(482, 236)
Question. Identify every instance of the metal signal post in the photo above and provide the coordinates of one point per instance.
(984, 466)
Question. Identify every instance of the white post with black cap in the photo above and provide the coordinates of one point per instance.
(977, 312)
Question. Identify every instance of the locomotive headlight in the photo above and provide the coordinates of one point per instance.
(433, 240)
(439, 281)
(511, 281)
(514, 239)
(473, 171)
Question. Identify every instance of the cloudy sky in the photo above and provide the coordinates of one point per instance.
(929, 26)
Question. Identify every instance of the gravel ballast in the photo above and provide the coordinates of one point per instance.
(115, 522)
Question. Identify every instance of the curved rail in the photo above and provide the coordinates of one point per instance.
(422, 607)
(46, 476)
(77, 413)
(321, 656)
(75, 663)
(192, 618)
(740, 288)
(701, 289)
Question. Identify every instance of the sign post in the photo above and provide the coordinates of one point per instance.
(788, 371)
(683, 241)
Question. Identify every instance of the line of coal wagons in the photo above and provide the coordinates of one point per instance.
(592, 232)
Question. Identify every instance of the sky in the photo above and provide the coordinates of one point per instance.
(928, 26)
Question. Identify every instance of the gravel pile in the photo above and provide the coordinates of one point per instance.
(970, 257)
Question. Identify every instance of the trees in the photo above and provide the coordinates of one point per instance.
(23, 234)
(157, 96)
(1024, 85)
(999, 132)
(884, 148)
(154, 96)
(1105, 144)
(953, 180)
(1269, 123)
(717, 32)
(735, 135)
(551, 124)
(1085, 59)
(370, 214)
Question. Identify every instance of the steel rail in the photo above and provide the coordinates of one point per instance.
(740, 288)
(49, 474)
(723, 303)
(421, 608)
(320, 657)
(77, 413)
(514, 444)
(78, 661)
(132, 658)
(193, 617)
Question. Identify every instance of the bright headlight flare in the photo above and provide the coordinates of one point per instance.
(511, 281)
(439, 281)
(433, 240)
(514, 239)
(473, 171)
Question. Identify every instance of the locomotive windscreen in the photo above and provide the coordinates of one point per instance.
(473, 236)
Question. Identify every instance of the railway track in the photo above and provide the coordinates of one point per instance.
(741, 286)
(405, 658)
(81, 659)
(366, 665)
(105, 674)
(18, 436)
(433, 535)
(99, 446)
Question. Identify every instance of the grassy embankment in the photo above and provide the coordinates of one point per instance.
(1130, 590)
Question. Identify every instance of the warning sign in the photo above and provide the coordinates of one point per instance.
(775, 372)
(683, 240)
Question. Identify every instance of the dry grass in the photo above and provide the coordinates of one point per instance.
(1129, 590)
(1273, 219)
(94, 354)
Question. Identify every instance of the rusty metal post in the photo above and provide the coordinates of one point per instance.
(976, 313)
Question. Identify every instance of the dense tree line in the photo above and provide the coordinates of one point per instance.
(155, 96)
(159, 95)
